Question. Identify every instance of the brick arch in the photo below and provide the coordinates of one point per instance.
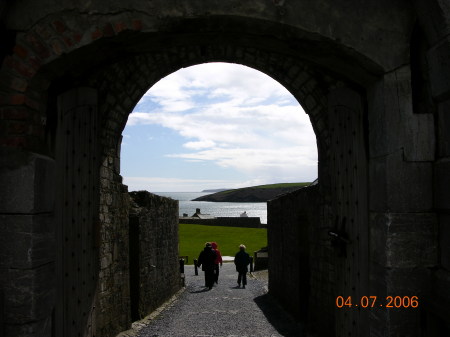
(122, 85)
(47, 55)
(34, 63)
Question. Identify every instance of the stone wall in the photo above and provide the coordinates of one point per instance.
(138, 252)
(113, 291)
(300, 258)
(154, 266)
(434, 22)
(246, 222)
(27, 244)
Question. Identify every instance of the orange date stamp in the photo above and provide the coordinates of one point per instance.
(374, 301)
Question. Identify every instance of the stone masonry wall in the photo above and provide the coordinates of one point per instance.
(155, 274)
(27, 244)
(113, 299)
(296, 278)
(434, 20)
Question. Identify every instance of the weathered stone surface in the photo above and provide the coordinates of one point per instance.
(41, 328)
(439, 285)
(444, 239)
(27, 181)
(394, 321)
(407, 240)
(442, 183)
(154, 266)
(394, 125)
(397, 282)
(400, 186)
(420, 138)
(439, 64)
(434, 17)
(27, 241)
(29, 294)
(113, 297)
(336, 23)
(443, 135)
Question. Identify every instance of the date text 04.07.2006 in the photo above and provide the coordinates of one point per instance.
(374, 301)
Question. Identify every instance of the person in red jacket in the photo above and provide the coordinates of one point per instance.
(217, 261)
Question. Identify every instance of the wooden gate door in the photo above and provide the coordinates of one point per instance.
(77, 157)
(349, 189)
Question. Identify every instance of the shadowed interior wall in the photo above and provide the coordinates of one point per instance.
(156, 277)
(295, 276)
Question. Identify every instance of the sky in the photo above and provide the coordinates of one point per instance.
(216, 125)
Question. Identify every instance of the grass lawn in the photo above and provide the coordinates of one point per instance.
(193, 237)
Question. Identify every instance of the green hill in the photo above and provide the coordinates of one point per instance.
(261, 193)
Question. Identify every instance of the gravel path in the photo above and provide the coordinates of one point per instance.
(224, 311)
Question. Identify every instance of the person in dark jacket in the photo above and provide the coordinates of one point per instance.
(206, 261)
(242, 260)
(217, 261)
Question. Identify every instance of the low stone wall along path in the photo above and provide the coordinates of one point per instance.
(223, 311)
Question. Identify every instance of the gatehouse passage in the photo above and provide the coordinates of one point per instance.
(80, 257)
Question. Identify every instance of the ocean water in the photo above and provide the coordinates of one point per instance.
(230, 209)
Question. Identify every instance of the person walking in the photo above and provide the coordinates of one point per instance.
(217, 261)
(206, 261)
(242, 260)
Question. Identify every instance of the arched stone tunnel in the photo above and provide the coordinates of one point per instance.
(374, 79)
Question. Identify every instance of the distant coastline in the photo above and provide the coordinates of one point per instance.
(215, 190)
(261, 193)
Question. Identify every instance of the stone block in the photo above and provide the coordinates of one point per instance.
(444, 240)
(434, 17)
(443, 127)
(26, 241)
(399, 282)
(419, 142)
(400, 186)
(27, 181)
(406, 240)
(392, 122)
(439, 64)
(442, 183)
(41, 328)
(378, 137)
(29, 294)
(439, 284)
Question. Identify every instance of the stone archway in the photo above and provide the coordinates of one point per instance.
(315, 50)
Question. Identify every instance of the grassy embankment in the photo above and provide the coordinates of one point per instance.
(193, 237)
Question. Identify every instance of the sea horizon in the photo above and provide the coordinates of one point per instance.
(218, 209)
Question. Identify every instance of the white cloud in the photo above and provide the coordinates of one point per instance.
(202, 144)
(233, 116)
(273, 162)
